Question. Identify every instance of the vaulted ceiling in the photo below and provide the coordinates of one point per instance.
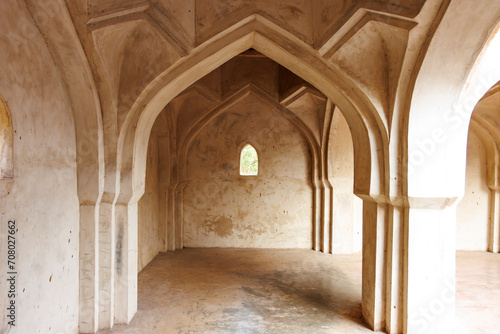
(248, 72)
(130, 42)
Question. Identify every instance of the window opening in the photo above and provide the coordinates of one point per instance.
(249, 161)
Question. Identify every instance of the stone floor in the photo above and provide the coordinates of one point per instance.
(285, 291)
(478, 293)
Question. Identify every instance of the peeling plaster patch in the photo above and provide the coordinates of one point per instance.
(222, 226)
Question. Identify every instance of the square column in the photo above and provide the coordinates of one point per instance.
(408, 267)
(106, 265)
(89, 269)
(494, 228)
(430, 282)
(125, 297)
(373, 284)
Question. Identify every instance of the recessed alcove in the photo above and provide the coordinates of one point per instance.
(6, 142)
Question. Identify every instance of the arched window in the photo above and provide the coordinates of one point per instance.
(249, 161)
(6, 142)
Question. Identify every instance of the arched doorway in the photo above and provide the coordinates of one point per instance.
(190, 185)
(367, 137)
(195, 147)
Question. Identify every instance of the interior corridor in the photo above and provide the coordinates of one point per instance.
(287, 291)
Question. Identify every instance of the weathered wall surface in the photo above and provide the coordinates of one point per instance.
(347, 208)
(42, 196)
(150, 239)
(271, 210)
(473, 210)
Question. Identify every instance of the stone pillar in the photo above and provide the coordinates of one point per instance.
(171, 224)
(494, 228)
(323, 203)
(89, 269)
(374, 239)
(125, 297)
(326, 216)
(164, 181)
(408, 266)
(430, 277)
(172, 228)
(179, 218)
(317, 215)
(106, 265)
(327, 189)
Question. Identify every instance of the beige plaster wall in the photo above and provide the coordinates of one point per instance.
(271, 210)
(347, 208)
(42, 196)
(150, 239)
(473, 209)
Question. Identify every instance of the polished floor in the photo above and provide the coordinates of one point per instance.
(285, 291)
(478, 293)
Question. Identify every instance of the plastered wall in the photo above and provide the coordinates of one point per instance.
(473, 209)
(42, 196)
(150, 239)
(271, 210)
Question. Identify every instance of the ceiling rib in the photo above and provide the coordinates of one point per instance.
(356, 23)
(156, 16)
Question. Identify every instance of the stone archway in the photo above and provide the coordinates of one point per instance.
(437, 129)
(478, 103)
(394, 235)
(369, 139)
(480, 230)
(409, 213)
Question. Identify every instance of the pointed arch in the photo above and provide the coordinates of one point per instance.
(369, 132)
(6, 142)
(249, 161)
(370, 137)
(439, 119)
